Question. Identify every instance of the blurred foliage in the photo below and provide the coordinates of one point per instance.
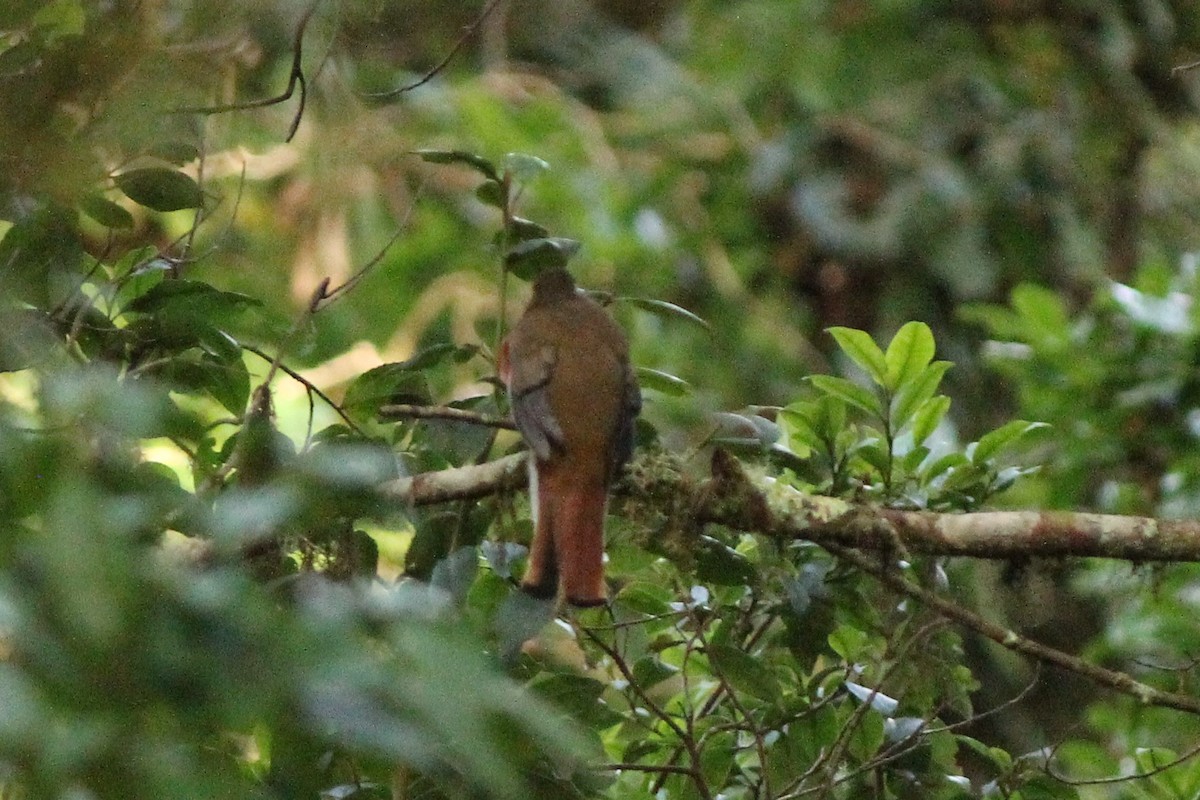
(199, 321)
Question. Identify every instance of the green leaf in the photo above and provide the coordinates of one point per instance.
(175, 152)
(433, 355)
(946, 462)
(160, 189)
(519, 619)
(848, 642)
(663, 382)
(909, 352)
(716, 759)
(228, 382)
(533, 256)
(863, 351)
(743, 672)
(650, 671)
(475, 162)
(524, 167)
(802, 433)
(455, 573)
(991, 443)
(189, 293)
(665, 310)
(1043, 311)
(867, 738)
(717, 563)
(491, 193)
(387, 384)
(142, 275)
(928, 416)
(915, 391)
(105, 211)
(849, 392)
(1040, 786)
(750, 428)
(522, 230)
(646, 598)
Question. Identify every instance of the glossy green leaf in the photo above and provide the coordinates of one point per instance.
(387, 384)
(716, 563)
(928, 416)
(227, 381)
(716, 759)
(908, 354)
(523, 167)
(802, 433)
(1007, 434)
(160, 189)
(867, 737)
(522, 230)
(105, 211)
(849, 392)
(661, 308)
(915, 391)
(1042, 311)
(192, 297)
(863, 351)
(476, 162)
(663, 382)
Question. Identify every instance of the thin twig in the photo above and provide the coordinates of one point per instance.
(694, 772)
(306, 383)
(406, 411)
(667, 769)
(468, 32)
(1187, 756)
(345, 287)
(295, 78)
(1010, 639)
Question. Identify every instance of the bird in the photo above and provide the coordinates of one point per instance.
(574, 398)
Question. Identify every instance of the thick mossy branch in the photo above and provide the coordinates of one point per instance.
(737, 498)
(658, 493)
(740, 500)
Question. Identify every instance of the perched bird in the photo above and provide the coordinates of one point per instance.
(574, 398)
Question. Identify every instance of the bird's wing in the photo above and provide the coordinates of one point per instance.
(528, 378)
(623, 439)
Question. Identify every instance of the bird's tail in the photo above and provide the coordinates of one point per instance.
(568, 542)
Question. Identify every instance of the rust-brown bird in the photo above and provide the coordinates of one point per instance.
(574, 398)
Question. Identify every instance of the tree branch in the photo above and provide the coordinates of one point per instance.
(407, 411)
(735, 499)
(744, 502)
(460, 483)
(760, 504)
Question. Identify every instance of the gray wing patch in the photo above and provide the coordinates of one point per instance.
(529, 396)
(535, 420)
